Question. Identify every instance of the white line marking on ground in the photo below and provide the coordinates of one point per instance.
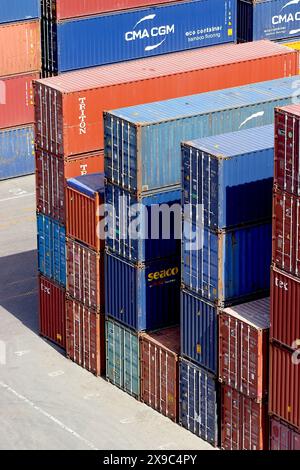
(21, 353)
(48, 415)
(56, 373)
(127, 421)
(16, 197)
(167, 446)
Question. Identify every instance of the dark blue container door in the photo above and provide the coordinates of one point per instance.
(16, 152)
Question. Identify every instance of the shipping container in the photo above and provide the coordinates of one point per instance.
(147, 155)
(20, 48)
(199, 331)
(51, 249)
(122, 358)
(198, 402)
(51, 174)
(285, 384)
(85, 337)
(87, 42)
(84, 198)
(142, 229)
(82, 96)
(244, 348)
(287, 149)
(286, 232)
(16, 152)
(285, 301)
(227, 267)
(52, 313)
(159, 355)
(283, 436)
(16, 10)
(144, 297)
(230, 176)
(16, 100)
(244, 422)
(85, 271)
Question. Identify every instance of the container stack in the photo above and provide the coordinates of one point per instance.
(20, 64)
(285, 283)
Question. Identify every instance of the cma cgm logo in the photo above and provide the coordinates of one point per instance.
(158, 32)
(287, 17)
(164, 274)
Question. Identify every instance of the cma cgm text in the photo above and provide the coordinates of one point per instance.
(151, 33)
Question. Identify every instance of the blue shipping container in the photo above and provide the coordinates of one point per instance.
(51, 249)
(199, 331)
(158, 236)
(17, 10)
(145, 32)
(16, 152)
(198, 402)
(143, 297)
(147, 155)
(232, 266)
(268, 19)
(230, 176)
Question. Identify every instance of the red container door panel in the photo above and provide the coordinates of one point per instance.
(287, 161)
(286, 233)
(251, 354)
(282, 436)
(52, 312)
(229, 351)
(285, 301)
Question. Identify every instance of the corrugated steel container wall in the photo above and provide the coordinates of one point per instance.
(69, 108)
(287, 149)
(122, 358)
(285, 301)
(52, 312)
(198, 402)
(146, 32)
(221, 170)
(51, 249)
(83, 212)
(286, 232)
(199, 331)
(285, 384)
(85, 337)
(159, 355)
(143, 297)
(282, 436)
(51, 174)
(16, 152)
(20, 48)
(143, 247)
(244, 422)
(232, 266)
(16, 10)
(243, 348)
(85, 271)
(153, 132)
(16, 100)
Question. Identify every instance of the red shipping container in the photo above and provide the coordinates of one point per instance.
(244, 422)
(51, 175)
(52, 311)
(16, 100)
(20, 47)
(159, 354)
(244, 347)
(286, 232)
(69, 107)
(282, 436)
(285, 384)
(285, 308)
(75, 8)
(85, 337)
(83, 215)
(287, 156)
(85, 275)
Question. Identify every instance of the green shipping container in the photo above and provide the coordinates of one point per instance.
(122, 358)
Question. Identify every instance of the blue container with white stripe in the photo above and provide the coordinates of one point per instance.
(143, 143)
(230, 176)
(18, 10)
(51, 249)
(16, 152)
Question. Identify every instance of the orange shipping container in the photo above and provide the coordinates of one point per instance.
(81, 97)
(20, 47)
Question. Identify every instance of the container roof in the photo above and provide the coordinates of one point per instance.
(88, 184)
(291, 108)
(256, 314)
